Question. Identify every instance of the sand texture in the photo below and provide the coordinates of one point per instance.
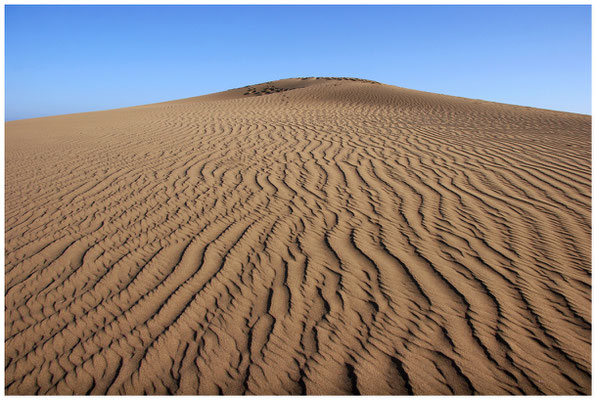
(317, 236)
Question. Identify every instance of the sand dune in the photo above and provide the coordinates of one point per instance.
(317, 236)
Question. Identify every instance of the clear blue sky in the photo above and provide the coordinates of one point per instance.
(66, 59)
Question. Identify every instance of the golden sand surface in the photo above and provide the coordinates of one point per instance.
(303, 236)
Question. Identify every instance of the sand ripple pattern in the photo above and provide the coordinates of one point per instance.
(341, 238)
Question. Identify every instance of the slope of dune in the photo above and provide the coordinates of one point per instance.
(304, 236)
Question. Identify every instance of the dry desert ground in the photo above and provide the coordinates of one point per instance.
(303, 236)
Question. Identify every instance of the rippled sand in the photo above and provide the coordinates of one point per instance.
(316, 236)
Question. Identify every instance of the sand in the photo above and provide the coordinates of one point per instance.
(304, 236)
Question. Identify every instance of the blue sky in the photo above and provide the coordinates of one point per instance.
(67, 59)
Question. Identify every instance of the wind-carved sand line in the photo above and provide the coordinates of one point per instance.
(303, 236)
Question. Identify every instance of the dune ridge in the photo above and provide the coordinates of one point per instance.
(303, 236)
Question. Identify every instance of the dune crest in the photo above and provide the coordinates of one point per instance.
(303, 236)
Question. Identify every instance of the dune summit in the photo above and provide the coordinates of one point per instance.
(303, 236)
